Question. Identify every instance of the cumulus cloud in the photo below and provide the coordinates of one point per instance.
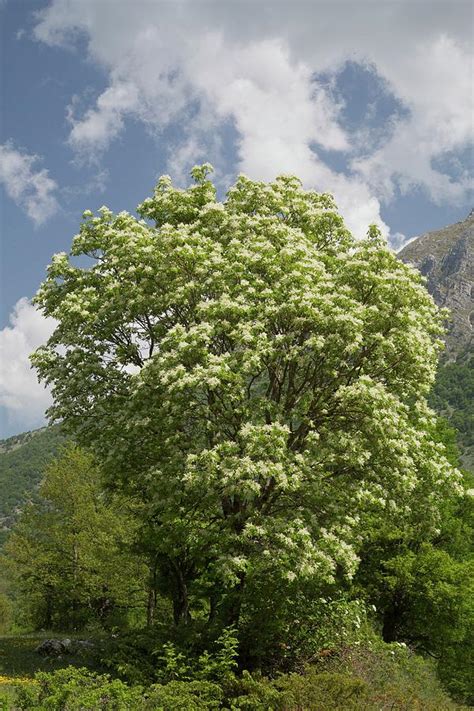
(100, 125)
(441, 102)
(200, 65)
(31, 189)
(21, 395)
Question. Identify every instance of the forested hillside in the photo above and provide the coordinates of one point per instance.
(453, 397)
(23, 459)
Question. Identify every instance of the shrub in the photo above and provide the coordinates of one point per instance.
(321, 691)
(6, 613)
(251, 692)
(74, 689)
(375, 677)
(183, 695)
(216, 665)
(394, 677)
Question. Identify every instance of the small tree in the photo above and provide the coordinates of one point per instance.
(254, 375)
(69, 551)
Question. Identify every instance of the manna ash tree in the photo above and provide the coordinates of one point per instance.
(254, 377)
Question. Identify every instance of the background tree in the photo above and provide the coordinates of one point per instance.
(70, 551)
(421, 583)
(255, 376)
(23, 459)
(453, 395)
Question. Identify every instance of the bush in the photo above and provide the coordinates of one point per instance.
(149, 656)
(130, 656)
(183, 695)
(304, 620)
(251, 692)
(74, 689)
(6, 613)
(369, 677)
(321, 691)
(394, 677)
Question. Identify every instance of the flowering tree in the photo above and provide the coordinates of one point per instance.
(253, 375)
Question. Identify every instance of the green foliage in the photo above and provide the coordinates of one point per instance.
(185, 695)
(68, 552)
(131, 655)
(251, 692)
(323, 690)
(254, 377)
(74, 689)
(392, 675)
(6, 613)
(455, 669)
(355, 678)
(141, 657)
(453, 396)
(446, 435)
(216, 666)
(250, 385)
(301, 624)
(422, 590)
(23, 459)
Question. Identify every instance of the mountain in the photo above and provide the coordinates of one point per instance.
(446, 258)
(23, 459)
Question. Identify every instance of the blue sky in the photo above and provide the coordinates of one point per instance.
(369, 100)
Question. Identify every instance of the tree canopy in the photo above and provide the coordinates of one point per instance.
(70, 551)
(254, 376)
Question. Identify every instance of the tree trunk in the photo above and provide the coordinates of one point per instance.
(48, 613)
(152, 594)
(181, 612)
(232, 606)
(213, 608)
(391, 622)
(150, 607)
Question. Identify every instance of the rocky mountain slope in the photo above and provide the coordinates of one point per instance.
(446, 258)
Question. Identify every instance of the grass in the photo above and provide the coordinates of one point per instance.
(19, 662)
(19, 659)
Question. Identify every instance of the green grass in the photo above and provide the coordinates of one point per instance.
(19, 662)
(19, 659)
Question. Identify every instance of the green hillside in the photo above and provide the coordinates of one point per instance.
(453, 397)
(22, 462)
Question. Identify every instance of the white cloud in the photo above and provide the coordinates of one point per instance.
(398, 241)
(202, 64)
(100, 125)
(21, 395)
(437, 86)
(32, 190)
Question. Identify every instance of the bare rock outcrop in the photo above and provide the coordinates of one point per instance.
(446, 258)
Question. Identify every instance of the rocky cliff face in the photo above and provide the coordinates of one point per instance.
(446, 258)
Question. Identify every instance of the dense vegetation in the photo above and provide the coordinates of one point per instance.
(453, 396)
(261, 510)
(23, 459)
